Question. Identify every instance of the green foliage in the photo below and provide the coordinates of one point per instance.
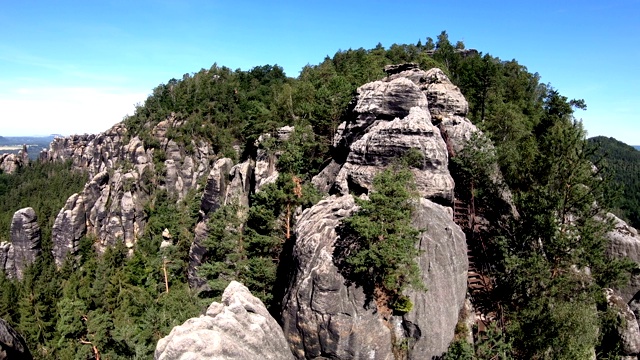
(623, 164)
(459, 350)
(25, 188)
(382, 238)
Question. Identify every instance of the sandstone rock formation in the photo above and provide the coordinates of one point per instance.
(628, 331)
(24, 247)
(326, 318)
(9, 163)
(123, 174)
(410, 108)
(240, 327)
(233, 184)
(110, 208)
(25, 239)
(624, 242)
(265, 165)
(386, 142)
(323, 316)
(12, 345)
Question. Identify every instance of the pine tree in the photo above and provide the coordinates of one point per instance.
(381, 239)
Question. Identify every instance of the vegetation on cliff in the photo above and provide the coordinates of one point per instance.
(119, 306)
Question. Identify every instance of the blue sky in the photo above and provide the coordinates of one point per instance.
(80, 66)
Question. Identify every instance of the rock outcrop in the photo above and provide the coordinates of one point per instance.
(9, 163)
(122, 176)
(265, 165)
(628, 331)
(624, 242)
(410, 108)
(240, 327)
(25, 239)
(24, 247)
(386, 142)
(323, 315)
(233, 184)
(326, 318)
(110, 208)
(12, 345)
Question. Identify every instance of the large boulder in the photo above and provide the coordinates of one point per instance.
(25, 242)
(324, 316)
(240, 327)
(12, 345)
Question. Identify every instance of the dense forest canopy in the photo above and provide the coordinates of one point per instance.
(120, 305)
(624, 163)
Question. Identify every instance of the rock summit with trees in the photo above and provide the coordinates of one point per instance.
(410, 202)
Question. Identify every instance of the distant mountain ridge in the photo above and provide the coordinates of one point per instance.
(637, 147)
(35, 144)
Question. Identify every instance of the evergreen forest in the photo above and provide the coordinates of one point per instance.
(546, 252)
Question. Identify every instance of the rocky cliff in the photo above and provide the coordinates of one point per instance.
(12, 345)
(325, 316)
(239, 327)
(9, 163)
(123, 173)
(24, 247)
(229, 184)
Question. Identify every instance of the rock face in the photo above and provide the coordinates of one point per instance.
(386, 142)
(409, 109)
(24, 247)
(232, 184)
(326, 318)
(12, 345)
(9, 163)
(624, 242)
(629, 332)
(238, 328)
(214, 196)
(110, 207)
(123, 174)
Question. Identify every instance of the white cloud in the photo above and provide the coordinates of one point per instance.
(64, 110)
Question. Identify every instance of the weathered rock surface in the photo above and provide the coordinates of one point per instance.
(12, 345)
(446, 104)
(9, 163)
(386, 142)
(326, 318)
(6, 259)
(265, 165)
(378, 100)
(238, 328)
(214, 196)
(110, 207)
(122, 175)
(629, 332)
(624, 242)
(233, 184)
(25, 243)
